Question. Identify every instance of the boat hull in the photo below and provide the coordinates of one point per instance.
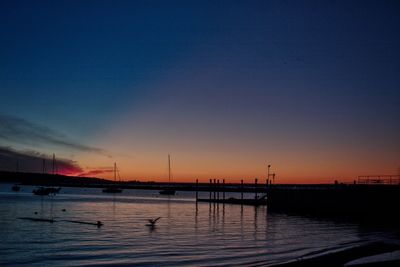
(15, 188)
(112, 190)
(169, 192)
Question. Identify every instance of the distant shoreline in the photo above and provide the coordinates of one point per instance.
(46, 179)
(367, 203)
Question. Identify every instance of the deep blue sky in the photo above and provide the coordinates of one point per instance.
(287, 76)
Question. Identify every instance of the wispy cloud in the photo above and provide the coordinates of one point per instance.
(21, 131)
(96, 172)
(32, 161)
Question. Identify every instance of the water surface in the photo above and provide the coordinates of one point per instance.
(187, 234)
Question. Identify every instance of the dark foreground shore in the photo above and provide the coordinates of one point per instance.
(347, 257)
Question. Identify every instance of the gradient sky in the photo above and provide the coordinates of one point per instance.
(225, 87)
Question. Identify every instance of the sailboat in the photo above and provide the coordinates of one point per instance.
(113, 189)
(16, 187)
(45, 191)
(168, 191)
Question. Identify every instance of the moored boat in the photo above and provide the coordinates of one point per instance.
(15, 188)
(113, 188)
(45, 191)
(168, 191)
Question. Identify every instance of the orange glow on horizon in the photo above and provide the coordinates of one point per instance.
(248, 179)
(208, 152)
(153, 167)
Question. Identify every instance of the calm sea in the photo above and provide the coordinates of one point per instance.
(186, 235)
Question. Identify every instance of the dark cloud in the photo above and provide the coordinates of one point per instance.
(22, 131)
(32, 161)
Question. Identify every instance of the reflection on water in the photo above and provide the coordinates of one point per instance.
(188, 233)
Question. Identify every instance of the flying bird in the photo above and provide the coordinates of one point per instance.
(152, 222)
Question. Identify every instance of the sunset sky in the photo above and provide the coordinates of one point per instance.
(225, 87)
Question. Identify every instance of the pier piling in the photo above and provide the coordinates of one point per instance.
(218, 189)
(255, 188)
(241, 189)
(223, 193)
(210, 187)
(214, 187)
(197, 189)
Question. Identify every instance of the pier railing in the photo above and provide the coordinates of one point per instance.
(379, 179)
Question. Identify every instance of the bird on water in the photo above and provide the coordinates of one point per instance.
(152, 222)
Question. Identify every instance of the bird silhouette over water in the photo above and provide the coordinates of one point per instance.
(152, 222)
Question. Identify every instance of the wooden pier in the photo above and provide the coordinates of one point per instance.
(237, 201)
(217, 194)
(368, 201)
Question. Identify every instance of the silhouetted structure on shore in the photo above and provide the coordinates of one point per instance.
(367, 201)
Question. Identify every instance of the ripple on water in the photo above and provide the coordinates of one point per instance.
(186, 235)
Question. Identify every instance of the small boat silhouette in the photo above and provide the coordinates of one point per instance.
(15, 188)
(168, 191)
(113, 189)
(45, 191)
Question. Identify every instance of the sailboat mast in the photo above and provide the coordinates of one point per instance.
(115, 171)
(54, 163)
(169, 168)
